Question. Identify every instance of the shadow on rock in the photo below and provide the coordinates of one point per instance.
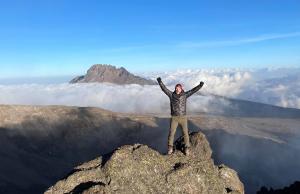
(140, 169)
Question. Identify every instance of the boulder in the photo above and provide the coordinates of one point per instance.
(141, 169)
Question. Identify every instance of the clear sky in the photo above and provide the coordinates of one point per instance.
(65, 37)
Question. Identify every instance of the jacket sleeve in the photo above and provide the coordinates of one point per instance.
(165, 89)
(194, 90)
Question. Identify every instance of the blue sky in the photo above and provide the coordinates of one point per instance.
(65, 37)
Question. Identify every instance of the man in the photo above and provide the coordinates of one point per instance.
(178, 112)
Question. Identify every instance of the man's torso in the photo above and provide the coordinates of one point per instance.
(178, 104)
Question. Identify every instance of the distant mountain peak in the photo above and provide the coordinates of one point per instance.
(111, 74)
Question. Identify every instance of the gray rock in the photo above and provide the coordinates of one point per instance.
(111, 74)
(231, 179)
(140, 169)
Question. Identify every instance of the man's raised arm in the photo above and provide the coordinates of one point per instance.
(194, 90)
(164, 88)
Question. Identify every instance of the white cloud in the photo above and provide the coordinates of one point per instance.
(224, 82)
(127, 98)
(282, 91)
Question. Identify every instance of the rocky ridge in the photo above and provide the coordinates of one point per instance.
(292, 189)
(141, 169)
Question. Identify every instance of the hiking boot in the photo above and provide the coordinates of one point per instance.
(170, 150)
(187, 151)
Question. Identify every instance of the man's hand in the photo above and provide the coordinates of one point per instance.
(158, 79)
(201, 83)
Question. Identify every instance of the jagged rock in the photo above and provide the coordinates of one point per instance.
(292, 189)
(111, 74)
(140, 169)
(231, 179)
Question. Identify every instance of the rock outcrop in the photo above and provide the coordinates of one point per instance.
(111, 74)
(140, 169)
(292, 189)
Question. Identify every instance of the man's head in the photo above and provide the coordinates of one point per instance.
(178, 88)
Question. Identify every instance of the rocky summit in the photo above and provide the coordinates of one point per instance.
(141, 169)
(111, 74)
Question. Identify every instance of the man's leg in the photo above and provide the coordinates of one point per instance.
(172, 131)
(185, 131)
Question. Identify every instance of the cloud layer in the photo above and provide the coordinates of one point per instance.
(267, 86)
(283, 91)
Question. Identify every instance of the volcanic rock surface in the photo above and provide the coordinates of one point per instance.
(140, 169)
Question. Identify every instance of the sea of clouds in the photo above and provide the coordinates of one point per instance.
(279, 87)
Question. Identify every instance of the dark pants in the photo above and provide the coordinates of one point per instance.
(174, 122)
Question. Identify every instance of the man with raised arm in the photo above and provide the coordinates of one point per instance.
(178, 112)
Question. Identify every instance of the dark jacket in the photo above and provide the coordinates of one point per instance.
(178, 101)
